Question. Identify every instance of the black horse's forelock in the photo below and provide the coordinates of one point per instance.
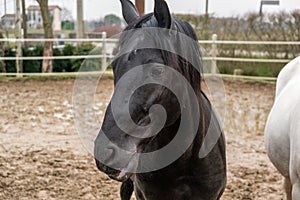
(138, 22)
(190, 72)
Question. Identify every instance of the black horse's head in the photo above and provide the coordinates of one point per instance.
(144, 114)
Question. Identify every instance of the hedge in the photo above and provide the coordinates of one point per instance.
(66, 65)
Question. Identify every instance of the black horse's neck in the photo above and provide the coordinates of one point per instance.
(161, 139)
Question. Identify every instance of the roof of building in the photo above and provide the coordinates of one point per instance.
(8, 15)
(50, 7)
(109, 29)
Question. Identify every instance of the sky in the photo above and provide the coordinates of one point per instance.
(95, 9)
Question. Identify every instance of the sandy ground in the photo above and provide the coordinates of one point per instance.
(42, 157)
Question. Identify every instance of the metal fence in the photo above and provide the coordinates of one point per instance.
(103, 42)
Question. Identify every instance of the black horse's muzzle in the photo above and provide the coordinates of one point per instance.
(114, 174)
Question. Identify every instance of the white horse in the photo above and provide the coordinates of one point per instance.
(282, 132)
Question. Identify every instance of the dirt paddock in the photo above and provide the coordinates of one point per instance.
(41, 155)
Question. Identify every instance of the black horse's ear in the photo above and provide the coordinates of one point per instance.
(162, 14)
(129, 11)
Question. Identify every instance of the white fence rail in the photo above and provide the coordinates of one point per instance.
(109, 40)
(252, 60)
(54, 57)
(58, 40)
(67, 74)
(104, 56)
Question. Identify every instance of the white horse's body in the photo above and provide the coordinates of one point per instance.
(282, 133)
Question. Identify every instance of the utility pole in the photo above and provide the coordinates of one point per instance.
(140, 5)
(18, 34)
(206, 17)
(80, 22)
(206, 7)
(5, 8)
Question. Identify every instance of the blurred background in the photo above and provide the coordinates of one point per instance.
(238, 26)
(43, 44)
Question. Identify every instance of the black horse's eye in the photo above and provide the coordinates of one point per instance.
(157, 71)
(132, 54)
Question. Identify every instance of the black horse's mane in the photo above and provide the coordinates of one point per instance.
(182, 26)
(191, 73)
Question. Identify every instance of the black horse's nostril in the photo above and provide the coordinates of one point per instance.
(104, 153)
(111, 152)
(108, 155)
(145, 108)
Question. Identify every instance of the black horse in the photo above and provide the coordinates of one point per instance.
(124, 147)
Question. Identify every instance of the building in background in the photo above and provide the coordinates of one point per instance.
(110, 30)
(8, 21)
(35, 21)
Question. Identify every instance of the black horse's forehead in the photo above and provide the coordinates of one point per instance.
(135, 39)
(151, 22)
(144, 33)
(144, 58)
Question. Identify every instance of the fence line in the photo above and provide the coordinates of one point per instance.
(55, 57)
(112, 40)
(91, 73)
(254, 78)
(100, 40)
(252, 60)
(104, 56)
(111, 56)
(249, 42)
(110, 73)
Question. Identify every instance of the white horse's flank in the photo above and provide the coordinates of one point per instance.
(282, 133)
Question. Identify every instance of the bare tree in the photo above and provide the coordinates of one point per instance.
(66, 14)
(24, 20)
(2, 49)
(296, 24)
(48, 49)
